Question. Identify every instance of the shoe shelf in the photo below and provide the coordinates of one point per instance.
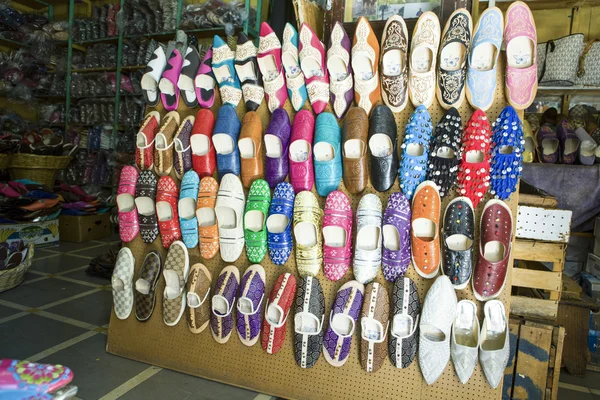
(567, 90)
(11, 44)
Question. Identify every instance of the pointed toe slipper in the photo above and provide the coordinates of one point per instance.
(458, 235)
(423, 56)
(294, 77)
(271, 68)
(365, 66)
(383, 144)
(248, 72)
(464, 344)
(394, 67)
(425, 239)
(189, 70)
(152, 75)
(224, 72)
(474, 169)
(341, 84)
(205, 81)
(355, 134)
(507, 153)
(313, 65)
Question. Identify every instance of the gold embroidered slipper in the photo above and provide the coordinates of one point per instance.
(308, 218)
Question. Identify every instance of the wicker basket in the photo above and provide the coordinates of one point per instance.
(13, 277)
(4, 160)
(40, 169)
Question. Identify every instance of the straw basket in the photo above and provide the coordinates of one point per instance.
(13, 277)
(4, 160)
(40, 169)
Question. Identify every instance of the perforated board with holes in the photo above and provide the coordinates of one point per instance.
(543, 224)
(178, 349)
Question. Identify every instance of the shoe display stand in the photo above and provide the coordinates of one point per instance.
(233, 363)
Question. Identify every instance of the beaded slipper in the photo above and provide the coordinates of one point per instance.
(415, 151)
(445, 151)
(507, 153)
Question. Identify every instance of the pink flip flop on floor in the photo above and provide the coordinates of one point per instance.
(169, 92)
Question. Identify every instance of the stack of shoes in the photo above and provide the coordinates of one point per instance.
(27, 201)
(78, 202)
(104, 265)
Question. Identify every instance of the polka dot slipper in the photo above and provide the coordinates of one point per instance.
(507, 153)
(415, 151)
(445, 151)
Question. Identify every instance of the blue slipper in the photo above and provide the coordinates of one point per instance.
(415, 151)
(327, 154)
(506, 165)
(188, 196)
(223, 68)
(225, 139)
(279, 235)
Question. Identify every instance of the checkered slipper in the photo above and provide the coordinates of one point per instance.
(507, 153)
(445, 152)
(145, 286)
(198, 289)
(121, 283)
(415, 151)
(474, 169)
(177, 267)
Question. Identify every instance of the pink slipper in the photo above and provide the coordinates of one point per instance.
(337, 235)
(302, 174)
(269, 63)
(7, 191)
(129, 225)
(169, 92)
(313, 64)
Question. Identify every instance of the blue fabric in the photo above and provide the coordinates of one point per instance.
(40, 194)
(328, 174)
(505, 169)
(413, 169)
(228, 123)
(189, 227)
(280, 244)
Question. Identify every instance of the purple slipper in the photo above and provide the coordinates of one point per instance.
(396, 237)
(249, 306)
(277, 140)
(342, 323)
(183, 151)
(568, 142)
(547, 144)
(223, 299)
(169, 91)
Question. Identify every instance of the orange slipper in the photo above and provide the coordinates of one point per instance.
(208, 230)
(425, 240)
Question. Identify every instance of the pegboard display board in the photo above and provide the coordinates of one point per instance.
(178, 349)
(543, 224)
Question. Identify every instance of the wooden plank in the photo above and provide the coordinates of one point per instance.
(534, 308)
(537, 201)
(539, 251)
(575, 352)
(509, 371)
(531, 371)
(547, 280)
(558, 345)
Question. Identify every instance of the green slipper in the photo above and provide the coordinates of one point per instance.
(255, 217)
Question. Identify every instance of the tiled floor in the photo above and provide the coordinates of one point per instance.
(60, 315)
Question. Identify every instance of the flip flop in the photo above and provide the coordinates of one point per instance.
(182, 147)
(250, 304)
(175, 272)
(121, 281)
(277, 312)
(223, 302)
(145, 286)
(406, 308)
(374, 325)
(198, 289)
(308, 322)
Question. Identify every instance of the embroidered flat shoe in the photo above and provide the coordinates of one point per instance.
(250, 304)
(167, 196)
(250, 148)
(198, 302)
(302, 175)
(437, 317)
(230, 209)
(494, 347)
(188, 197)
(365, 66)
(354, 152)
(415, 151)
(145, 198)
(374, 324)
(406, 308)
(294, 77)
(181, 145)
(163, 143)
(208, 230)
(279, 223)
(152, 75)
(313, 65)
(367, 252)
(521, 49)
(223, 302)
(176, 271)
(205, 81)
(337, 235)
(169, 92)
(495, 245)
(394, 67)
(277, 311)
(425, 240)
(507, 153)
(248, 72)
(121, 283)
(396, 237)
(548, 144)
(458, 235)
(277, 142)
(129, 225)
(454, 50)
(144, 141)
(225, 140)
(204, 157)
(308, 322)
(185, 83)
(341, 85)
(383, 143)
(445, 152)
(342, 323)
(224, 72)
(423, 55)
(464, 343)
(483, 58)
(474, 170)
(255, 220)
(327, 153)
(145, 286)
(568, 142)
(308, 217)
(271, 68)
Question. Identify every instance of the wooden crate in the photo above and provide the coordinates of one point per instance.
(533, 369)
